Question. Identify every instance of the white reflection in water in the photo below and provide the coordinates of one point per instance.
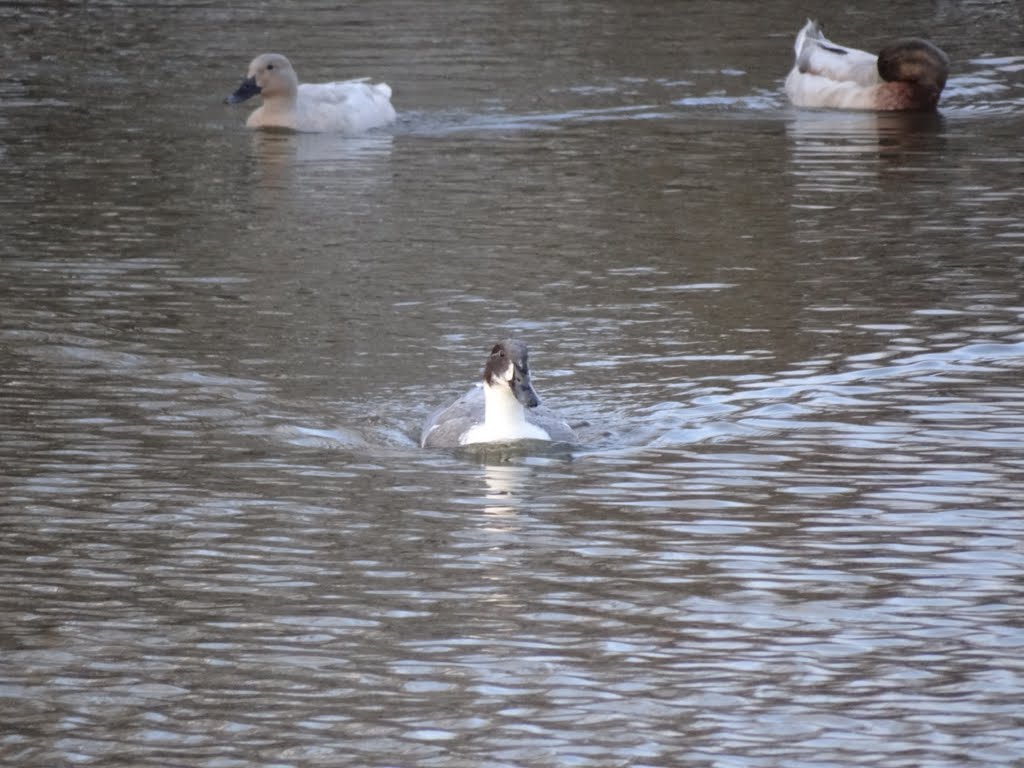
(317, 168)
(836, 152)
(504, 483)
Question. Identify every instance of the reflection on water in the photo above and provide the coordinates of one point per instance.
(833, 133)
(792, 343)
(303, 157)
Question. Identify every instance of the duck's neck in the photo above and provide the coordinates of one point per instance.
(907, 96)
(280, 101)
(281, 94)
(504, 419)
(502, 412)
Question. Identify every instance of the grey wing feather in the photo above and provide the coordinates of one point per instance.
(552, 423)
(444, 427)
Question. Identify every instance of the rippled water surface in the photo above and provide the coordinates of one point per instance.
(792, 343)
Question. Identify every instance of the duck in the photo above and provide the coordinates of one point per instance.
(909, 74)
(349, 107)
(503, 407)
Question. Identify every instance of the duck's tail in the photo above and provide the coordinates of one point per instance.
(810, 31)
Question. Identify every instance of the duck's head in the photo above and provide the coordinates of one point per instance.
(270, 74)
(916, 61)
(508, 366)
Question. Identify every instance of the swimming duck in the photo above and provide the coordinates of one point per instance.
(350, 106)
(504, 407)
(908, 74)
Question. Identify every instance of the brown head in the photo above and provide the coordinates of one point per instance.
(508, 365)
(919, 64)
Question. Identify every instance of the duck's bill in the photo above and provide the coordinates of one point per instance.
(246, 90)
(523, 389)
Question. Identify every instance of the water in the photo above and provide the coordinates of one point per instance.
(792, 342)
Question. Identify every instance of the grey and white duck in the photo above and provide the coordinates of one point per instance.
(503, 407)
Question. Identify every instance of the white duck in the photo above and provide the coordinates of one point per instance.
(909, 74)
(349, 107)
(503, 409)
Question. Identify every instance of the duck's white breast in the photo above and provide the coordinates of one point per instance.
(484, 433)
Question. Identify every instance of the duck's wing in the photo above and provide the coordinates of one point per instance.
(556, 427)
(817, 55)
(351, 107)
(444, 427)
(346, 91)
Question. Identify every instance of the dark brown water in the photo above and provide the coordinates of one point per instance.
(793, 343)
